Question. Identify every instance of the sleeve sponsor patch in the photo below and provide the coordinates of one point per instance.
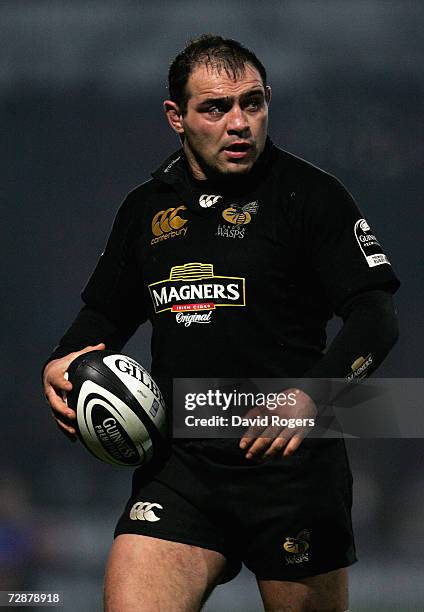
(369, 244)
(360, 367)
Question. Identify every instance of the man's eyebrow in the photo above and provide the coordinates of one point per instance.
(253, 92)
(229, 99)
(208, 101)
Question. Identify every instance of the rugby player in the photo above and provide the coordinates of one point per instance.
(239, 253)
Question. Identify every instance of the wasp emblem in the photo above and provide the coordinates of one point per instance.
(240, 215)
(298, 544)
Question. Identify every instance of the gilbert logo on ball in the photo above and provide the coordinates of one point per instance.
(121, 416)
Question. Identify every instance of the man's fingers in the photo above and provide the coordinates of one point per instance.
(262, 440)
(65, 362)
(58, 405)
(72, 437)
(97, 347)
(252, 434)
(56, 385)
(266, 448)
(87, 349)
(69, 431)
(268, 441)
(254, 430)
(292, 445)
(258, 447)
(60, 383)
(276, 447)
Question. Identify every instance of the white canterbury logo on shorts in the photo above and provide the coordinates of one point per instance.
(206, 201)
(143, 511)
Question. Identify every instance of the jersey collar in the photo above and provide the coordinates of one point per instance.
(202, 196)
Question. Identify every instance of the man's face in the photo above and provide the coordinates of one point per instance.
(225, 126)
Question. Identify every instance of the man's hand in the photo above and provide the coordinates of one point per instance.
(56, 386)
(266, 442)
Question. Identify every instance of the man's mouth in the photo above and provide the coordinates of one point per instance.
(237, 150)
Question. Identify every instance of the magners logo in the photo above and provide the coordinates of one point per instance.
(168, 224)
(359, 367)
(194, 286)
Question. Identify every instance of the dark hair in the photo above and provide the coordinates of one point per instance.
(220, 53)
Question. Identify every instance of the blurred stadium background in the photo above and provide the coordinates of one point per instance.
(81, 85)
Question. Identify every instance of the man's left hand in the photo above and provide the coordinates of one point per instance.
(266, 442)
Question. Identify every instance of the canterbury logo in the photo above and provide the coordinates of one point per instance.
(168, 224)
(206, 201)
(167, 220)
(143, 511)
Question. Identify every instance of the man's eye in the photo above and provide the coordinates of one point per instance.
(215, 110)
(253, 104)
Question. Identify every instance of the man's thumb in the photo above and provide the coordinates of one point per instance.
(98, 347)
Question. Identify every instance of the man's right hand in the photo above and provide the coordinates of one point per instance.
(56, 385)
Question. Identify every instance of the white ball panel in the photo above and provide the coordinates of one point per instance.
(141, 386)
(120, 413)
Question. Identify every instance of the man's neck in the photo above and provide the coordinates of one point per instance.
(196, 171)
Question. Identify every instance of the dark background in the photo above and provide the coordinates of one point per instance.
(81, 86)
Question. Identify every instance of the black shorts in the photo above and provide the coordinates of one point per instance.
(285, 519)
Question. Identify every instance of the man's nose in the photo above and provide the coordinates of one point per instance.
(237, 121)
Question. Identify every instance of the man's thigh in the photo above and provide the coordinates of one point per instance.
(323, 593)
(153, 575)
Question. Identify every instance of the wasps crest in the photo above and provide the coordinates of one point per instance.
(298, 544)
(240, 215)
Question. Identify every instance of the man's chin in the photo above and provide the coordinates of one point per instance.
(220, 169)
(236, 169)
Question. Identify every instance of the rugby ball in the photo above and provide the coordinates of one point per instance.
(121, 416)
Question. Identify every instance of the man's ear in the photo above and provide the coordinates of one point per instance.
(268, 94)
(174, 116)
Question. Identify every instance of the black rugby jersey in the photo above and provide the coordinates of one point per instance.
(239, 279)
